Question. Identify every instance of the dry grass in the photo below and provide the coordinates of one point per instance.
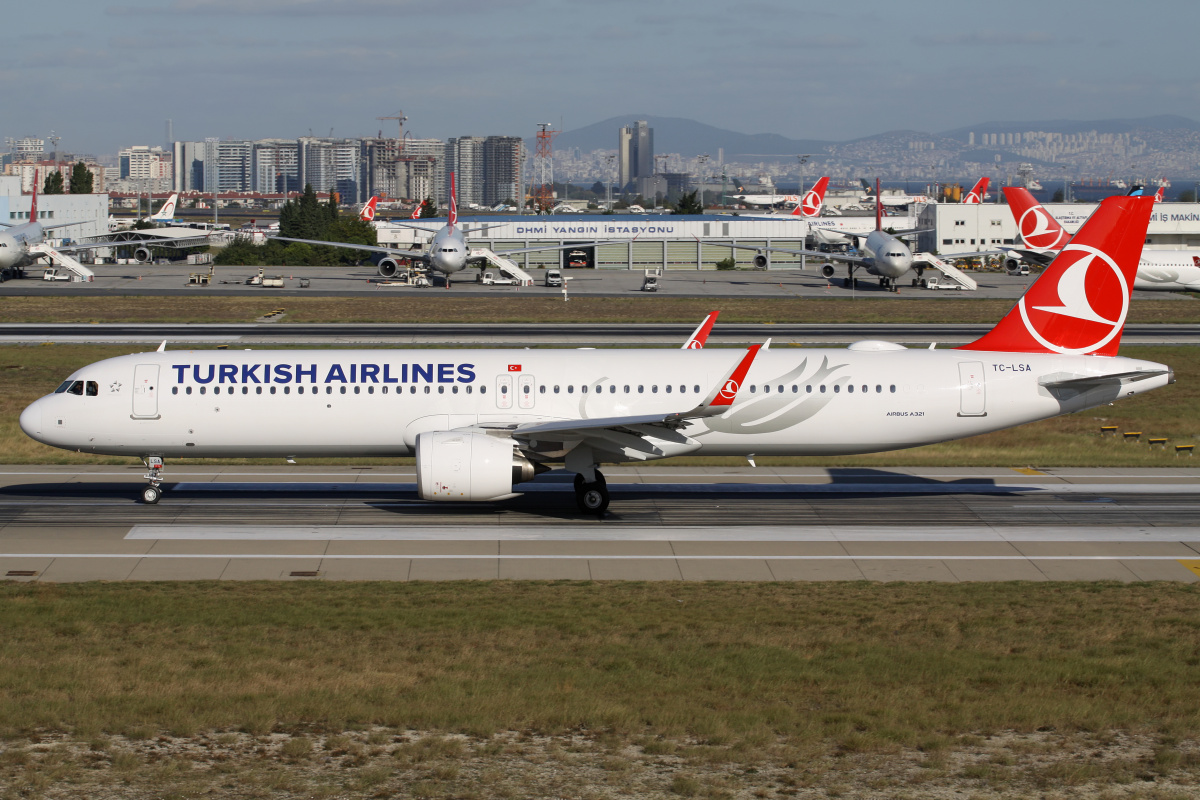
(437, 307)
(26, 373)
(542, 690)
(870, 667)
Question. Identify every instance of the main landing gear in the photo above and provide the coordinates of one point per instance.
(152, 493)
(592, 497)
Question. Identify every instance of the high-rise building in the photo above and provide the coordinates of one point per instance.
(503, 165)
(421, 170)
(635, 153)
(464, 157)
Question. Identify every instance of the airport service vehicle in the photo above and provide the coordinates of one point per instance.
(490, 279)
(554, 277)
(447, 252)
(482, 422)
(933, 282)
(1044, 237)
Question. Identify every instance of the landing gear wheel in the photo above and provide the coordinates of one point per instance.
(846, 282)
(151, 494)
(592, 498)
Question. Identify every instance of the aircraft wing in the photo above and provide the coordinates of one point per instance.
(415, 255)
(155, 240)
(1040, 257)
(815, 253)
(635, 436)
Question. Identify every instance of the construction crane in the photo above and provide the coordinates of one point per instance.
(543, 191)
(400, 120)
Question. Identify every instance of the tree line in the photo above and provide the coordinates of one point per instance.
(81, 181)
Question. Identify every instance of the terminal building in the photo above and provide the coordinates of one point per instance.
(90, 210)
(958, 228)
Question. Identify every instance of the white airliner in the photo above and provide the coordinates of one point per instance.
(447, 253)
(17, 239)
(167, 212)
(883, 254)
(1043, 237)
(480, 422)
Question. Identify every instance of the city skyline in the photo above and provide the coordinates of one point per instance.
(278, 68)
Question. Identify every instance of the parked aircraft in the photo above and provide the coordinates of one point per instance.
(481, 422)
(447, 252)
(1044, 237)
(368, 211)
(16, 241)
(978, 192)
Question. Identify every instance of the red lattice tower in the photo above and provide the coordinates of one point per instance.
(543, 183)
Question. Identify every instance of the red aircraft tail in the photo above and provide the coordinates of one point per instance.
(453, 202)
(1039, 231)
(1078, 304)
(810, 204)
(878, 208)
(977, 193)
(368, 211)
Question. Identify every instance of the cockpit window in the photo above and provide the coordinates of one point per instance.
(93, 389)
(76, 387)
(63, 387)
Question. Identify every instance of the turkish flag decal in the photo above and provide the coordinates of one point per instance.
(514, 367)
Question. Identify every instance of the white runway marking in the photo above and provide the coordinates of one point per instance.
(604, 557)
(601, 532)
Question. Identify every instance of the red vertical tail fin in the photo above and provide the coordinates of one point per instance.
(814, 198)
(1079, 303)
(453, 202)
(1039, 231)
(977, 193)
(368, 212)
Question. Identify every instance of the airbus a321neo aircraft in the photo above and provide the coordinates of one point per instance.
(1042, 237)
(480, 422)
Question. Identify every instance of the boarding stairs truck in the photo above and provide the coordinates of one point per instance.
(506, 268)
(960, 279)
(63, 263)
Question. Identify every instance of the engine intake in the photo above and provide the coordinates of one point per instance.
(388, 268)
(469, 466)
(142, 254)
(760, 261)
(827, 270)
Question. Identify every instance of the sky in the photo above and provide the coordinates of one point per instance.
(106, 74)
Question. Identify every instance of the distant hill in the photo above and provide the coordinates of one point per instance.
(690, 138)
(1165, 122)
(687, 137)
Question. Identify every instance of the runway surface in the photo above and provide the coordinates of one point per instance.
(305, 523)
(521, 334)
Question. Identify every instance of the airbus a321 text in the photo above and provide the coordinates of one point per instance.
(482, 422)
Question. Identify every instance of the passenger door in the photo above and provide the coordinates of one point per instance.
(504, 391)
(145, 391)
(971, 388)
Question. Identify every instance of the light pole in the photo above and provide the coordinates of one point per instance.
(803, 159)
(703, 159)
(612, 160)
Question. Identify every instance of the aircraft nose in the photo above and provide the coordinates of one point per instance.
(31, 420)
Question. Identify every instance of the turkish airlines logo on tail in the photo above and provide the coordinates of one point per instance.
(1039, 230)
(728, 391)
(811, 204)
(416, 212)
(1085, 310)
(368, 212)
(975, 196)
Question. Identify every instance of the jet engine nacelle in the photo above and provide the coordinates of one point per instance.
(468, 466)
(828, 270)
(141, 254)
(388, 267)
(1012, 265)
(760, 261)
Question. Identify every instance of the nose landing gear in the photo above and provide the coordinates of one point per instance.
(152, 493)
